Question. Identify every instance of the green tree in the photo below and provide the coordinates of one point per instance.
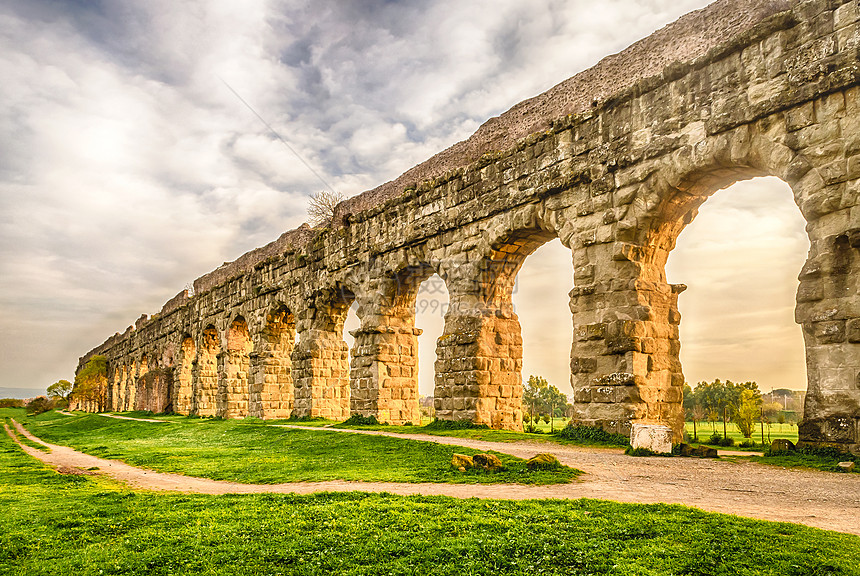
(696, 414)
(555, 403)
(715, 397)
(532, 397)
(39, 405)
(690, 398)
(723, 398)
(541, 397)
(90, 381)
(748, 409)
(60, 389)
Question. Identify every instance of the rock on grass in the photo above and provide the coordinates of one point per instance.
(489, 462)
(462, 462)
(543, 462)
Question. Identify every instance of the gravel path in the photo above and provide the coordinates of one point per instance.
(820, 499)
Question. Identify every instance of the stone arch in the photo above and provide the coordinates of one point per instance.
(184, 375)
(271, 388)
(127, 387)
(138, 400)
(480, 352)
(384, 371)
(234, 368)
(114, 384)
(121, 374)
(321, 357)
(205, 373)
(638, 354)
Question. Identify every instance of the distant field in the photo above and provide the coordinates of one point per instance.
(771, 432)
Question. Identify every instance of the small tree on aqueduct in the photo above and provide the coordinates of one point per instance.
(321, 206)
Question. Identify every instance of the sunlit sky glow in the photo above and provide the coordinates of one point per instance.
(128, 169)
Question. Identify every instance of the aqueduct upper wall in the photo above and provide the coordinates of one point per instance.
(614, 162)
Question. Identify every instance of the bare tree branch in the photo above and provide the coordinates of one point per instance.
(321, 206)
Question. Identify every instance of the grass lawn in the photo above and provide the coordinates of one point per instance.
(79, 525)
(704, 430)
(484, 434)
(469, 433)
(255, 452)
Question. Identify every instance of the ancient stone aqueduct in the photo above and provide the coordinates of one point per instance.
(614, 162)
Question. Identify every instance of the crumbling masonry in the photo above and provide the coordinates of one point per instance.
(614, 162)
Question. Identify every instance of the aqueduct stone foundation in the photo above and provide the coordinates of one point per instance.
(614, 162)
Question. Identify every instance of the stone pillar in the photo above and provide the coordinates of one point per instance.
(139, 400)
(145, 389)
(271, 389)
(205, 374)
(479, 368)
(384, 377)
(233, 369)
(828, 308)
(624, 358)
(479, 355)
(321, 371)
(113, 388)
(131, 377)
(320, 359)
(182, 390)
(116, 388)
(124, 387)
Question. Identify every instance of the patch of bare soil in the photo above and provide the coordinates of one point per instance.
(819, 499)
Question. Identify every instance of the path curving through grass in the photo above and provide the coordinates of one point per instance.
(817, 499)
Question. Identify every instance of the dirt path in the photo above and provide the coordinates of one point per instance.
(820, 499)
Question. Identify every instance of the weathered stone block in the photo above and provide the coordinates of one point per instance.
(654, 437)
(852, 331)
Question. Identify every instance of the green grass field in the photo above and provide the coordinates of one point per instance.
(256, 452)
(469, 433)
(78, 525)
(771, 432)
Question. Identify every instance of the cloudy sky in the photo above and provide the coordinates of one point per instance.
(128, 167)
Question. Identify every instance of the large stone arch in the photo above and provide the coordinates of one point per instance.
(183, 390)
(204, 381)
(321, 357)
(233, 370)
(642, 348)
(271, 393)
